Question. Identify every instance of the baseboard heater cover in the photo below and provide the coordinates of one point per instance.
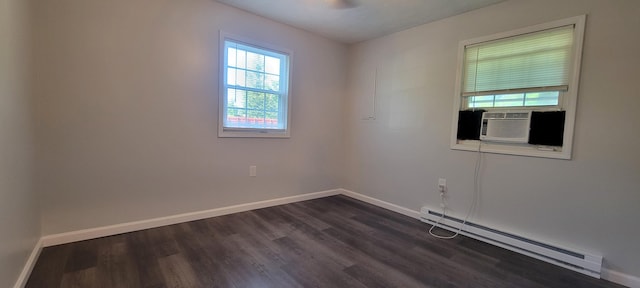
(584, 263)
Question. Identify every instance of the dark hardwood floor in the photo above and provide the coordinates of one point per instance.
(329, 242)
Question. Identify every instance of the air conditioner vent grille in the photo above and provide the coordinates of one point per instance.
(493, 115)
(517, 116)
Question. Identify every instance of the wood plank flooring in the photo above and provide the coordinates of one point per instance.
(330, 242)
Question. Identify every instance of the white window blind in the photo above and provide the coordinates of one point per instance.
(533, 62)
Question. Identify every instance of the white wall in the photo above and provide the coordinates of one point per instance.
(127, 109)
(588, 203)
(19, 216)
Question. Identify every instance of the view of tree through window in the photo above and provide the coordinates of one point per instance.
(255, 87)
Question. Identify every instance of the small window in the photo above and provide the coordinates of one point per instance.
(531, 69)
(254, 97)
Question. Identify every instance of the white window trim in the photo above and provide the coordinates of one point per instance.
(568, 99)
(250, 132)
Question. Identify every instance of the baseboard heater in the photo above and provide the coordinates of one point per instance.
(578, 261)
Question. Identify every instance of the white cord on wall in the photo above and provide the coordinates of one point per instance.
(476, 181)
(474, 201)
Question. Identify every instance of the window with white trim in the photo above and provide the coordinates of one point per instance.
(532, 69)
(254, 96)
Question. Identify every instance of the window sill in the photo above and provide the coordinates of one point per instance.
(512, 149)
(253, 133)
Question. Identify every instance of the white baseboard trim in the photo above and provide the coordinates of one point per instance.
(620, 278)
(609, 275)
(28, 267)
(86, 234)
(382, 204)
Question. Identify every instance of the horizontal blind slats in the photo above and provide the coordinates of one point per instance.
(540, 59)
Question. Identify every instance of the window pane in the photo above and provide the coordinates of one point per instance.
(237, 118)
(241, 61)
(255, 116)
(272, 82)
(231, 57)
(231, 76)
(255, 80)
(255, 62)
(509, 100)
(271, 102)
(271, 119)
(236, 115)
(481, 101)
(542, 98)
(236, 98)
(272, 65)
(255, 100)
(236, 77)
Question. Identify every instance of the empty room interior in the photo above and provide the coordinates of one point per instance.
(128, 116)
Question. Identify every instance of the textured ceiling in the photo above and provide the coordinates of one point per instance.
(352, 21)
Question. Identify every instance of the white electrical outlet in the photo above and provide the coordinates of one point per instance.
(442, 185)
(252, 171)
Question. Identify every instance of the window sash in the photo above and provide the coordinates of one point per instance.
(241, 120)
(538, 61)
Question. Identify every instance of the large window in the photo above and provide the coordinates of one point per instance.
(255, 90)
(531, 69)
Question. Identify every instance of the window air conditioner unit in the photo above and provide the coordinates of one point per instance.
(510, 127)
